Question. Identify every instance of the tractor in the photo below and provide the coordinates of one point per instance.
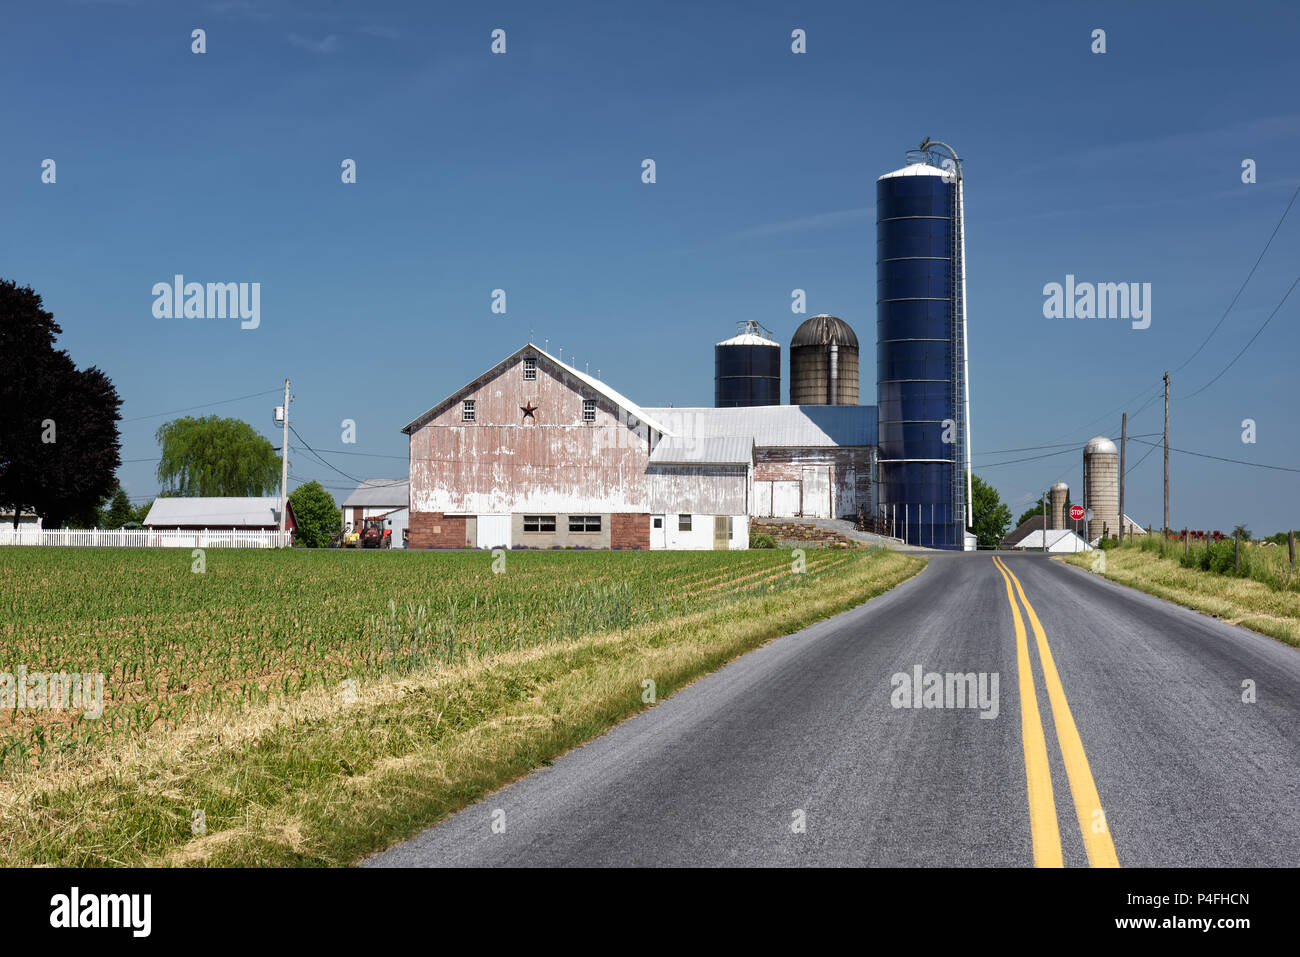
(374, 534)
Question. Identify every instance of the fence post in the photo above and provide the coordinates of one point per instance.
(1187, 539)
(1290, 547)
(1236, 554)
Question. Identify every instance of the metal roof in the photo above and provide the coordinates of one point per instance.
(1058, 540)
(749, 339)
(916, 169)
(712, 450)
(380, 493)
(1100, 446)
(616, 397)
(214, 512)
(824, 330)
(797, 426)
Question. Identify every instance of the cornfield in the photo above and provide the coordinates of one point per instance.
(255, 626)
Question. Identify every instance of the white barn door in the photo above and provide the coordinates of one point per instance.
(493, 531)
(816, 491)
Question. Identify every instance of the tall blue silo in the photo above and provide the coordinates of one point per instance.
(921, 352)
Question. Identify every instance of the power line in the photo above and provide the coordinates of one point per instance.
(1243, 285)
(1248, 344)
(157, 415)
(1219, 458)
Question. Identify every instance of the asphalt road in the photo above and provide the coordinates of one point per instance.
(796, 755)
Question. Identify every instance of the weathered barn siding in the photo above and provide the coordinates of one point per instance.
(704, 489)
(849, 470)
(553, 462)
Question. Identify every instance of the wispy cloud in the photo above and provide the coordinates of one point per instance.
(381, 31)
(327, 45)
(808, 223)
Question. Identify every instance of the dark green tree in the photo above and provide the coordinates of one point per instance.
(211, 456)
(992, 517)
(317, 516)
(119, 510)
(59, 444)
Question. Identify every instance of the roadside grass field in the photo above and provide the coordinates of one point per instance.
(273, 693)
(1270, 606)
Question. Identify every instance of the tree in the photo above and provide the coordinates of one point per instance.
(59, 444)
(1037, 509)
(317, 516)
(1242, 532)
(119, 510)
(210, 456)
(991, 516)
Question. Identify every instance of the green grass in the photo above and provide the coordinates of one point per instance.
(1264, 597)
(545, 657)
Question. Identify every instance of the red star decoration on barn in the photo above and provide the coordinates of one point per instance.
(528, 411)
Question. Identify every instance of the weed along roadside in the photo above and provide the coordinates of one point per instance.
(387, 719)
(1263, 597)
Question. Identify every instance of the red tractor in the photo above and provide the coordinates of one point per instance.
(375, 534)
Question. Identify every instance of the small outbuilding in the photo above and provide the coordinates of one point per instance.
(390, 498)
(260, 514)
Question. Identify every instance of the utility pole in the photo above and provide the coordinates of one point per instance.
(1166, 452)
(284, 460)
(1045, 521)
(1123, 444)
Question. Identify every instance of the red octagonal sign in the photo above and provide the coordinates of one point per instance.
(1076, 512)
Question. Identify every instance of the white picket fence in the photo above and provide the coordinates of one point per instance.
(143, 538)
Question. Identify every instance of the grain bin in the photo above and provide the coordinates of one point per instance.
(824, 363)
(1058, 496)
(747, 368)
(921, 391)
(1101, 487)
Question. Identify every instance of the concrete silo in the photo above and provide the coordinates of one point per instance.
(824, 363)
(747, 368)
(1101, 487)
(1058, 496)
(921, 385)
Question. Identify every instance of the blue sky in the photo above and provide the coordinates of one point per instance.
(522, 171)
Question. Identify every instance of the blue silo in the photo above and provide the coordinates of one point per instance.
(920, 352)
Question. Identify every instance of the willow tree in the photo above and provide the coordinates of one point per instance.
(211, 456)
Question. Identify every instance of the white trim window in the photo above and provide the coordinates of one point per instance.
(530, 369)
(467, 410)
(588, 410)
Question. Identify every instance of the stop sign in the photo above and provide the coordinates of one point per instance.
(1076, 512)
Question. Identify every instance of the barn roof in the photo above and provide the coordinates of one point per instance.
(214, 512)
(612, 395)
(780, 426)
(714, 450)
(380, 493)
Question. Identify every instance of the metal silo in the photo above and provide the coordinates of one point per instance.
(824, 363)
(921, 384)
(747, 368)
(1101, 487)
(1058, 496)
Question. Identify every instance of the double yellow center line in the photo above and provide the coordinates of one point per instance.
(1038, 776)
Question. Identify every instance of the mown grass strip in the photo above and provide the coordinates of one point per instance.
(316, 782)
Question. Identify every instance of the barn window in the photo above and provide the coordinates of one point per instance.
(467, 410)
(683, 523)
(588, 410)
(584, 523)
(539, 523)
(530, 369)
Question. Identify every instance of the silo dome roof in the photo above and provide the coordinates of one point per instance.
(1060, 487)
(1101, 445)
(824, 330)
